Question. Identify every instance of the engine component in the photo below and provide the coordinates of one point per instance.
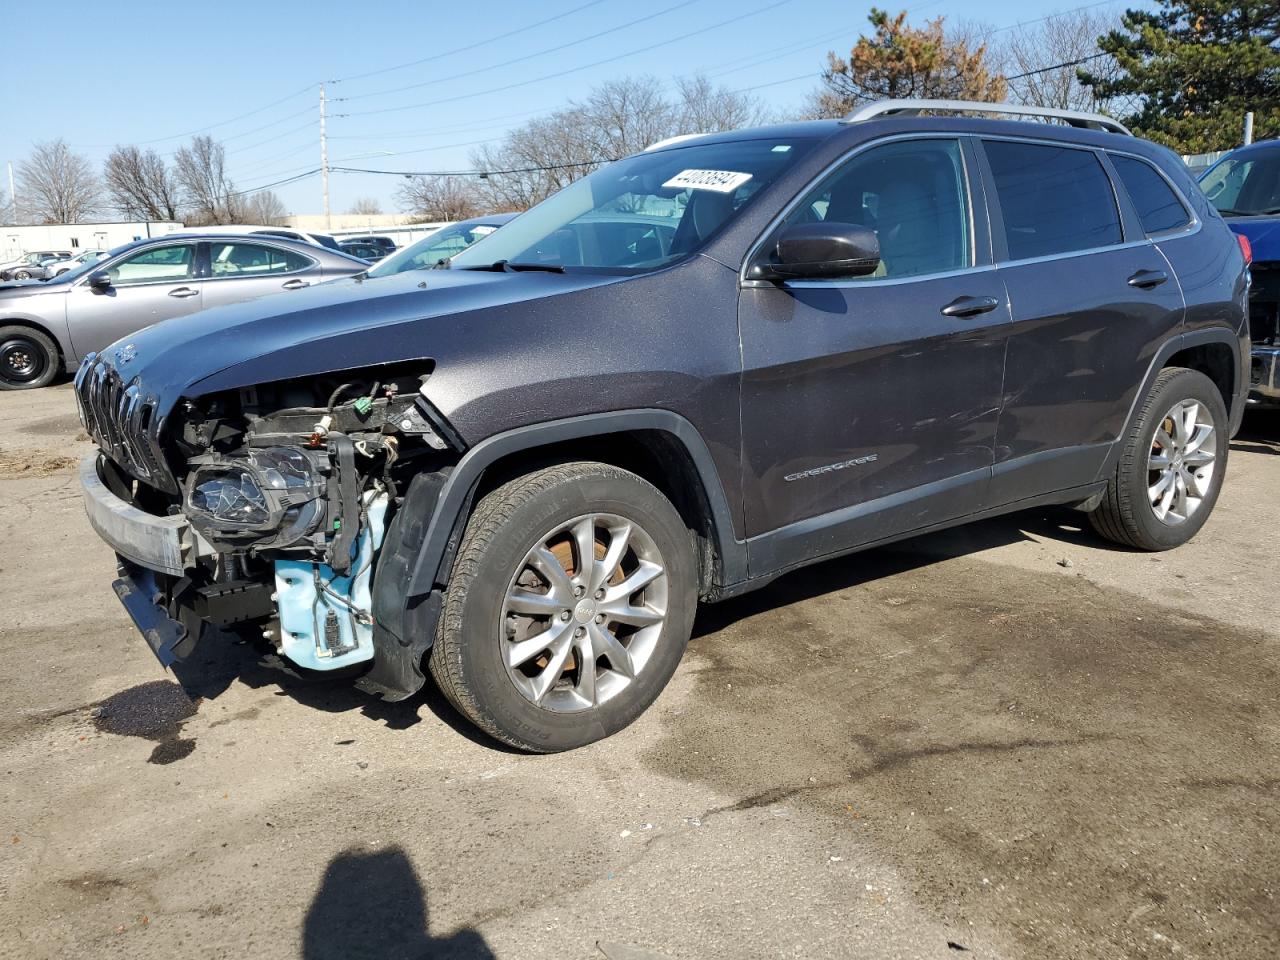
(325, 621)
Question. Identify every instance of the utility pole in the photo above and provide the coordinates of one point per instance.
(324, 164)
(13, 197)
(1248, 128)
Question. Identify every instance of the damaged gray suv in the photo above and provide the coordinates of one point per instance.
(691, 371)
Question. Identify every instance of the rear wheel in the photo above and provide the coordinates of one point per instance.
(1171, 469)
(28, 358)
(569, 607)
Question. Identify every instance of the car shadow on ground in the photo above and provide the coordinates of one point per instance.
(371, 904)
(223, 658)
(1260, 432)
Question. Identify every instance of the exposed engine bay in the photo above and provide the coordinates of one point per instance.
(289, 488)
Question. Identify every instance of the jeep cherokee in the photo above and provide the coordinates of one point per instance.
(687, 373)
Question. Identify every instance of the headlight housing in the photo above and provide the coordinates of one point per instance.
(269, 498)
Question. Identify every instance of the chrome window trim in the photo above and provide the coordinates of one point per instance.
(753, 251)
(153, 283)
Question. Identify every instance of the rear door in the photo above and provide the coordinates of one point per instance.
(869, 404)
(1092, 299)
(148, 286)
(242, 269)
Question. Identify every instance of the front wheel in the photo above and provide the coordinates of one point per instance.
(569, 608)
(1171, 468)
(22, 275)
(28, 358)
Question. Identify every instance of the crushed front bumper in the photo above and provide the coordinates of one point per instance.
(164, 544)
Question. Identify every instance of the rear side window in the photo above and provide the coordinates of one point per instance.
(253, 259)
(1158, 206)
(1054, 199)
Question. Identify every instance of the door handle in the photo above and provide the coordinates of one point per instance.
(970, 306)
(183, 292)
(294, 284)
(1148, 279)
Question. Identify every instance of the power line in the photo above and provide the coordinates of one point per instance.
(476, 173)
(471, 46)
(527, 56)
(563, 73)
(1059, 66)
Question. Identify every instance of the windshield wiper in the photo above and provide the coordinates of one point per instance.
(1269, 212)
(506, 266)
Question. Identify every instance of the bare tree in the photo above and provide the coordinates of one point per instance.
(1062, 44)
(438, 198)
(59, 186)
(616, 119)
(201, 171)
(140, 185)
(365, 207)
(264, 207)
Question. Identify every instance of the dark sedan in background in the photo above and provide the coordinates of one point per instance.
(47, 327)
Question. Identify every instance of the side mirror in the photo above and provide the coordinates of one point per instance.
(820, 251)
(100, 280)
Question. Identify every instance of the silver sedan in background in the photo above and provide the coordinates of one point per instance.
(48, 327)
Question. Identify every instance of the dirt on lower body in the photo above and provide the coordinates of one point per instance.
(1094, 773)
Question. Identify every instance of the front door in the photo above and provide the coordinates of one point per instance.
(869, 405)
(151, 285)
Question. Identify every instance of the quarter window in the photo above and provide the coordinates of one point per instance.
(1158, 206)
(252, 260)
(913, 194)
(156, 265)
(1054, 200)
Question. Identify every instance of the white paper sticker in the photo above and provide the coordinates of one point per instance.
(721, 181)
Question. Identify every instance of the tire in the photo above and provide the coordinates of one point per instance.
(28, 358)
(477, 658)
(22, 275)
(1153, 506)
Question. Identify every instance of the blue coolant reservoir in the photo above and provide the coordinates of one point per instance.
(325, 620)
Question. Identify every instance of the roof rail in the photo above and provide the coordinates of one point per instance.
(911, 108)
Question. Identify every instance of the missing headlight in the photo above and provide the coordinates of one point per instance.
(269, 498)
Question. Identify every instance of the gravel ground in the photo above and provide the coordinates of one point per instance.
(1008, 740)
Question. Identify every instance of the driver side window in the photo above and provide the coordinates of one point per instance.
(155, 265)
(913, 194)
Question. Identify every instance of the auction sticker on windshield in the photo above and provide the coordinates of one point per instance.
(721, 181)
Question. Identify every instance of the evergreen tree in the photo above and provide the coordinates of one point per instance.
(1192, 68)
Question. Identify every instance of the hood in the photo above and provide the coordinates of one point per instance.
(340, 325)
(26, 288)
(1263, 234)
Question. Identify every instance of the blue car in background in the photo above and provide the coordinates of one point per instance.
(1244, 186)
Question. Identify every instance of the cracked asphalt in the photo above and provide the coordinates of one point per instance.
(1008, 740)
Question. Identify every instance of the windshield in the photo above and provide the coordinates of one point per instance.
(640, 213)
(1245, 185)
(91, 261)
(430, 250)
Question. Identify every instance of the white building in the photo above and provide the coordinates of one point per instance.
(77, 237)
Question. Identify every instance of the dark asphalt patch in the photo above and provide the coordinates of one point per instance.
(1071, 766)
(153, 711)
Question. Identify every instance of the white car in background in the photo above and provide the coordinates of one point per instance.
(289, 233)
(55, 268)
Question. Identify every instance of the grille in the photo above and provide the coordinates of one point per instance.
(122, 421)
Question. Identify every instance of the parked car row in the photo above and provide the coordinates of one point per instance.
(689, 372)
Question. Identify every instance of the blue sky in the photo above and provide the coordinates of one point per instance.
(407, 95)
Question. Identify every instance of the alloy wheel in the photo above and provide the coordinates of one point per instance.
(583, 613)
(1181, 463)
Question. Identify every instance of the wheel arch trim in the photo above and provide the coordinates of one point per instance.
(461, 483)
(1192, 338)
